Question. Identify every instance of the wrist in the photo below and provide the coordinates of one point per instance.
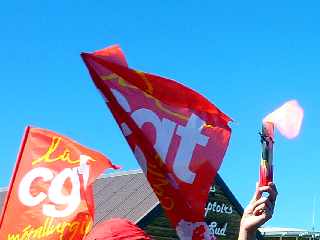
(247, 233)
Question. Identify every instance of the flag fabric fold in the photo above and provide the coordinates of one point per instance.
(178, 137)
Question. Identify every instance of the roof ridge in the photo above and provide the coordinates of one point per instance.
(3, 189)
(120, 173)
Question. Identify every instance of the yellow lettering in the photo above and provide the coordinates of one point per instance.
(147, 92)
(167, 203)
(88, 226)
(26, 233)
(37, 233)
(48, 228)
(73, 229)
(13, 237)
(120, 80)
(159, 182)
(64, 156)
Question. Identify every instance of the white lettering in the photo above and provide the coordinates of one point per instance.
(121, 100)
(212, 189)
(215, 207)
(214, 230)
(164, 129)
(56, 191)
(190, 137)
(84, 169)
(25, 185)
(56, 195)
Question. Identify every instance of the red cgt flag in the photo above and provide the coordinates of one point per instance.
(178, 137)
(50, 195)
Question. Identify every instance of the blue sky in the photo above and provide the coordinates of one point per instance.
(246, 57)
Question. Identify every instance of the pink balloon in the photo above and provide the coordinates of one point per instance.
(287, 119)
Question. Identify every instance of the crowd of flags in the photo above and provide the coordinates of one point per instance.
(178, 137)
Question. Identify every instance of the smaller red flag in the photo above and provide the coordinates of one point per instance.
(51, 188)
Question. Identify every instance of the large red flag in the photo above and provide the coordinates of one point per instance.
(50, 195)
(178, 137)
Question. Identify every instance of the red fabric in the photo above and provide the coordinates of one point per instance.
(117, 229)
(51, 189)
(178, 137)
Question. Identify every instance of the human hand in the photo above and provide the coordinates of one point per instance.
(259, 210)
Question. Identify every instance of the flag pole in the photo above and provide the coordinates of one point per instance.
(23, 143)
(266, 164)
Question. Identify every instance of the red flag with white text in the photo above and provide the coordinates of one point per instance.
(178, 137)
(50, 195)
